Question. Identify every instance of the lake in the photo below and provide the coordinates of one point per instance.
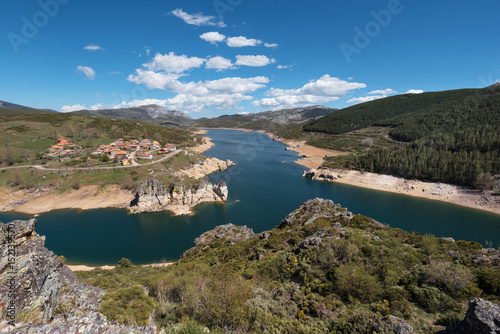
(264, 186)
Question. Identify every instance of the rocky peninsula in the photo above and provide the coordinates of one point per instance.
(153, 195)
(430, 190)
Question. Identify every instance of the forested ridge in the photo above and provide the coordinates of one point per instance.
(448, 137)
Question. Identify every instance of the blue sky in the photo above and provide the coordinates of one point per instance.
(216, 57)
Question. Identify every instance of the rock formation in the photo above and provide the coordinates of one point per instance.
(153, 195)
(322, 174)
(207, 166)
(35, 286)
(482, 317)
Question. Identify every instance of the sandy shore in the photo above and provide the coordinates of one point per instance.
(205, 145)
(85, 198)
(429, 190)
(82, 267)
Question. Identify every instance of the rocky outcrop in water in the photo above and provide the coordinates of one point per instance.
(482, 317)
(153, 195)
(36, 288)
(205, 167)
(322, 174)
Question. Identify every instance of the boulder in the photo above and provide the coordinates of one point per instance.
(482, 317)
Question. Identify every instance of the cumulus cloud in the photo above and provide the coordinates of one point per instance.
(365, 98)
(87, 71)
(93, 47)
(270, 45)
(219, 63)
(280, 67)
(387, 91)
(171, 63)
(414, 91)
(213, 37)
(253, 61)
(197, 19)
(75, 107)
(325, 89)
(240, 41)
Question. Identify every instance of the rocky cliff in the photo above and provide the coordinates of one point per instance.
(39, 294)
(153, 195)
(205, 167)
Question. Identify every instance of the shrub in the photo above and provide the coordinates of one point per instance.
(489, 280)
(125, 263)
(353, 281)
(128, 305)
(75, 184)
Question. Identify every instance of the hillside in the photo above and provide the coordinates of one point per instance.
(450, 136)
(147, 113)
(8, 105)
(322, 270)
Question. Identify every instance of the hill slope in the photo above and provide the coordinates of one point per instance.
(279, 117)
(451, 136)
(322, 270)
(9, 105)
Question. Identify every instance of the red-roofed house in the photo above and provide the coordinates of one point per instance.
(147, 156)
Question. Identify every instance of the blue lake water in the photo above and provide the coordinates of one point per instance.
(264, 186)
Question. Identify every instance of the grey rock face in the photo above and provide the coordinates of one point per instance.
(229, 232)
(313, 209)
(482, 317)
(399, 326)
(153, 195)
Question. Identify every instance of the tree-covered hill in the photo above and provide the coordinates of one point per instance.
(450, 136)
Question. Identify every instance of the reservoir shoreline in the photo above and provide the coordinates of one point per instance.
(435, 191)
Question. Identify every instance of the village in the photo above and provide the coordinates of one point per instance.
(120, 151)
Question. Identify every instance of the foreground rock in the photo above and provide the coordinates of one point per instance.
(153, 195)
(36, 288)
(481, 317)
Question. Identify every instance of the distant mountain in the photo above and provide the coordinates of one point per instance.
(8, 105)
(277, 117)
(148, 113)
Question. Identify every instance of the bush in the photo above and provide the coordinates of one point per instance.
(489, 280)
(353, 281)
(125, 263)
(367, 142)
(75, 185)
(128, 306)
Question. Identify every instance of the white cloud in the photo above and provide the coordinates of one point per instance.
(243, 113)
(325, 89)
(219, 63)
(115, 73)
(148, 50)
(75, 107)
(213, 37)
(254, 61)
(270, 45)
(93, 47)
(324, 86)
(88, 71)
(240, 41)
(171, 63)
(280, 67)
(414, 91)
(290, 101)
(387, 91)
(197, 19)
(366, 98)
